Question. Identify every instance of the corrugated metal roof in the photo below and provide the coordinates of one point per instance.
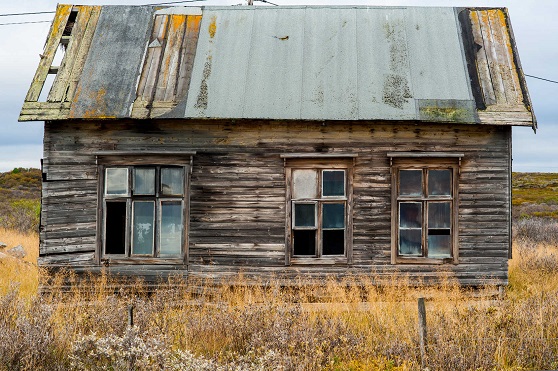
(309, 63)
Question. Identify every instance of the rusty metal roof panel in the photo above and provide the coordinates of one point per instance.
(109, 79)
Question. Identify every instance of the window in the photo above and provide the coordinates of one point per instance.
(424, 210)
(318, 204)
(144, 210)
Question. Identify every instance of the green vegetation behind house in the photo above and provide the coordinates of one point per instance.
(20, 199)
(535, 195)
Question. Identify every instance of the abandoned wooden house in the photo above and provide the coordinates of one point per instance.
(289, 141)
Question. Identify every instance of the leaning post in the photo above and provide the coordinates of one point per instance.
(422, 331)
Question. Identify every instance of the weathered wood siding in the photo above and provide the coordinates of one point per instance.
(237, 193)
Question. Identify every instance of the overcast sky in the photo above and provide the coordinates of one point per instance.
(534, 25)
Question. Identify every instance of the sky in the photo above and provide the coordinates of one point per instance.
(533, 22)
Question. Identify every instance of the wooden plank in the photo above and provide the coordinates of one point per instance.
(510, 79)
(490, 46)
(168, 73)
(482, 60)
(188, 53)
(83, 51)
(53, 40)
(151, 68)
(61, 81)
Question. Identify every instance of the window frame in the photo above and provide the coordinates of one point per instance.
(134, 161)
(319, 163)
(425, 162)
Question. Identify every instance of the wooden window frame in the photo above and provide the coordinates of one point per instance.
(424, 162)
(320, 163)
(132, 161)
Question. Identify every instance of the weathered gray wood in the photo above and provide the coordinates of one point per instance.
(238, 194)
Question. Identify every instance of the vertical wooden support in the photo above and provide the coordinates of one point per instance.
(131, 315)
(422, 331)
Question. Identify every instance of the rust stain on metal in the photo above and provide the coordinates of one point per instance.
(212, 29)
(96, 110)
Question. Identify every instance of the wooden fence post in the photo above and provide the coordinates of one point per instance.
(130, 315)
(422, 331)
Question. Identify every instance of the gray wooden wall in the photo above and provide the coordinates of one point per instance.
(237, 207)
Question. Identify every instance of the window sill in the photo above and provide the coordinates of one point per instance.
(419, 260)
(334, 260)
(141, 261)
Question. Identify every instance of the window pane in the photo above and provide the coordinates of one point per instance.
(439, 183)
(144, 181)
(439, 245)
(305, 184)
(333, 242)
(333, 183)
(410, 215)
(172, 181)
(410, 182)
(305, 215)
(410, 242)
(116, 181)
(333, 215)
(142, 242)
(439, 215)
(171, 228)
(115, 228)
(304, 242)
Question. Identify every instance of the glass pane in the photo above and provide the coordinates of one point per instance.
(171, 228)
(439, 183)
(410, 215)
(333, 242)
(410, 182)
(410, 242)
(115, 228)
(333, 183)
(304, 242)
(333, 216)
(305, 215)
(142, 242)
(144, 181)
(116, 181)
(172, 181)
(305, 184)
(439, 246)
(439, 215)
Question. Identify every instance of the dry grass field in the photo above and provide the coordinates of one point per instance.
(351, 324)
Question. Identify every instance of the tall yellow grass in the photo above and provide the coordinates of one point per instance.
(22, 273)
(358, 323)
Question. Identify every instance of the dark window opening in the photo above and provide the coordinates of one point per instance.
(115, 228)
(333, 242)
(304, 242)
